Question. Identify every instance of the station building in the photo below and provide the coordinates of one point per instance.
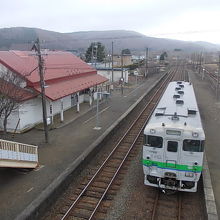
(69, 81)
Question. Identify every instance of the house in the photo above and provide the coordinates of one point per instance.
(69, 81)
(125, 60)
(117, 73)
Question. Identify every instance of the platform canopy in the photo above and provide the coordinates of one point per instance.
(61, 89)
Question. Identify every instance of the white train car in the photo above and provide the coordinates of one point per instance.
(174, 141)
(18, 155)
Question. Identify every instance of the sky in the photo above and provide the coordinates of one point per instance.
(190, 20)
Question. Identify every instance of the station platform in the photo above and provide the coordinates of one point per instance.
(209, 107)
(69, 141)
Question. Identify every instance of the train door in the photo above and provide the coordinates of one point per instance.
(172, 153)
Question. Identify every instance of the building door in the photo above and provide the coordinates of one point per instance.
(73, 99)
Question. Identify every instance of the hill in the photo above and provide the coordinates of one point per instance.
(22, 38)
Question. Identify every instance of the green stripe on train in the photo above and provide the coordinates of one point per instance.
(172, 166)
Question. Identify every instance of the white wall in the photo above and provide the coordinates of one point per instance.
(12, 121)
(30, 112)
(66, 104)
(116, 75)
(15, 79)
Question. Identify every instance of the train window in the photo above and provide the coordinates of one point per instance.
(181, 92)
(172, 146)
(154, 141)
(191, 111)
(176, 96)
(193, 145)
(180, 101)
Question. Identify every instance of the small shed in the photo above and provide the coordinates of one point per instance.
(117, 73)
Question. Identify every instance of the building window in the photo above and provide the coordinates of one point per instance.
(51, 109)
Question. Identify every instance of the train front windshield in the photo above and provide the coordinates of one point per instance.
(193, 145)
(153, 141)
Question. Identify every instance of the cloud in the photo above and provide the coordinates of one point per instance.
(147, 16)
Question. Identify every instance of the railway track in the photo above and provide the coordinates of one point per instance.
(95, 197)
(167, 206)
(182, 73)
(212, 75)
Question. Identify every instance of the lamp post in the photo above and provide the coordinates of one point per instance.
(97, 127)
(203, 73)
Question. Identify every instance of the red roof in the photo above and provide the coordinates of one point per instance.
(64, 72)
(15, 92)
(60, 89)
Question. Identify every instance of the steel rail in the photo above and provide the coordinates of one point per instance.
(131, 147)
(211, 74)
(179, 205)
(155, 205)
(169, 77)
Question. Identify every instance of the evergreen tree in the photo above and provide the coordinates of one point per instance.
(163, 55)
(126, 52)
(95, 52)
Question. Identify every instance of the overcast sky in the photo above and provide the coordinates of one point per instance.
(194, 20)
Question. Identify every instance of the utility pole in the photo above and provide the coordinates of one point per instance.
(122, 75)
(197, 62)
(96, 53)
(200, 62)
(112, 64)
(146, 62)
(97, 127)
(42, 84)
(193, 60)
(92, 61)
(217, 87)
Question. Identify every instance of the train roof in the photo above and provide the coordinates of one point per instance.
(177, 108)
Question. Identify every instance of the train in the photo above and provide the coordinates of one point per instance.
(174, 140)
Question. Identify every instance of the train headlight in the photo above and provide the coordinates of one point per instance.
(152, 131)
(195, 134)
(189, 174)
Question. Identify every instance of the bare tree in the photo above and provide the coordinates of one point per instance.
(11, 93)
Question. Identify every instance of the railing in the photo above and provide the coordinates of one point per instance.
(10, 150)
